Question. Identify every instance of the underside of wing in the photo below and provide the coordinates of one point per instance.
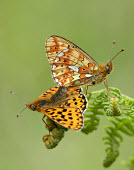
(70, 64)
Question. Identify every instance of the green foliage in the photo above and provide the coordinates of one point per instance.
(130, 163)
(57, 133)
(120, 112)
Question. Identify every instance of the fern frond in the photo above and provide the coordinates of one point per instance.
(121, 110)
(57, 133)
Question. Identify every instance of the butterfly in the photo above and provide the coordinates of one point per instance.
(71, 66)
(64, 105)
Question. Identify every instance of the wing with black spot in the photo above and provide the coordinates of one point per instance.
(48, 94)
(69, 117)
(78, 101)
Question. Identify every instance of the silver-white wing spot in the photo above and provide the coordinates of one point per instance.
(66, 50)
(56, 80)
(60, 83)
(54, 74)
(57, 59)
(88, 75)
(74, 68)
(54, 66)
(60, 54)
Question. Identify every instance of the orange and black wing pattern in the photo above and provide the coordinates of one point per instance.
(64, 105)
(71, 66)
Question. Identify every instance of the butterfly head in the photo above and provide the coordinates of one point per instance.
(35, 105)
(109, 67)
(31, 106)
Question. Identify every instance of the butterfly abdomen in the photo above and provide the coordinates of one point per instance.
(60, 94)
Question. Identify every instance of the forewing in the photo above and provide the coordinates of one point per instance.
(70, 64)
(48, 94)
(57, 95)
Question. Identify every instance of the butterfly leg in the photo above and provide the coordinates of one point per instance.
(106, 85)
(45, 122)
(86, 88)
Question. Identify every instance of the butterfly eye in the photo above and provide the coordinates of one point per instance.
(107, 69)
(32, 106)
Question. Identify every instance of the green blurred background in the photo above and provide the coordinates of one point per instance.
(25, 25)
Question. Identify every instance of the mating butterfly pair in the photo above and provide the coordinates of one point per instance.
(71, 68)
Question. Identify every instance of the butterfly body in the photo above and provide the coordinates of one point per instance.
(71, 66)
(64, 105)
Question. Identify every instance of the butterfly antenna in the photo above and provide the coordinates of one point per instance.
(18, 96)
(21, 111)
(111, 50)
(117, 54)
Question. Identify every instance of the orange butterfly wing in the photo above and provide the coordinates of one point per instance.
(63, 105)
(71, 66)
(70, 118)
